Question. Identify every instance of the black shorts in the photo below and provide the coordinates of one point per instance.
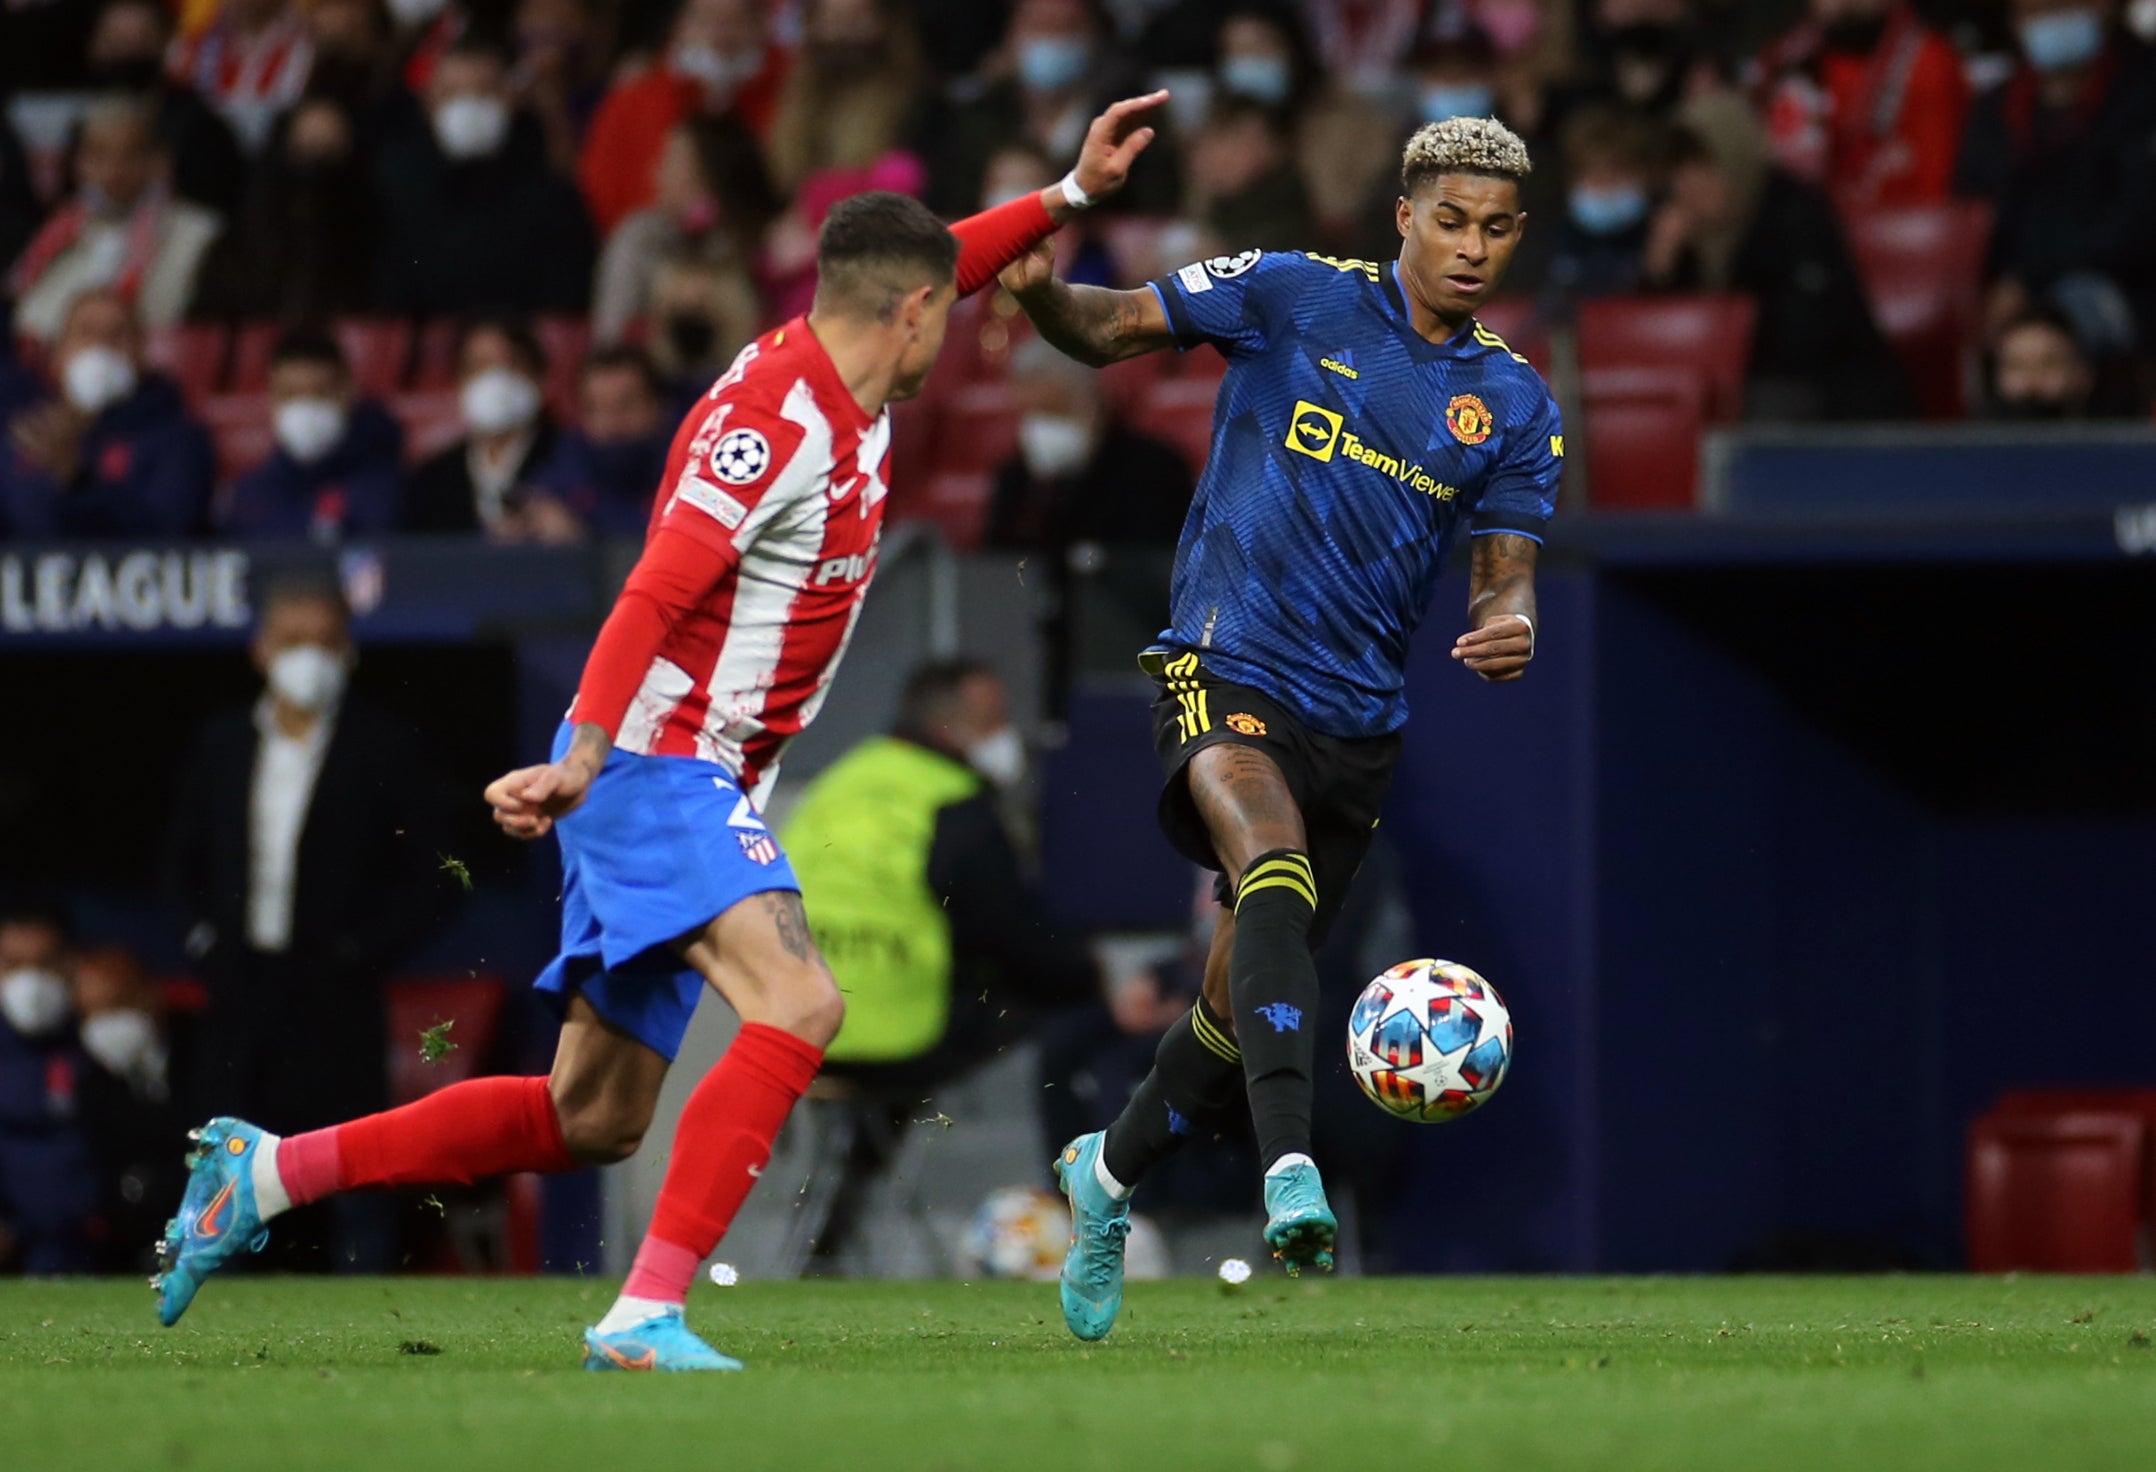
(1338, 783)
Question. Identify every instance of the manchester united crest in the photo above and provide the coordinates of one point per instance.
(1248, 725)
(1469, 419)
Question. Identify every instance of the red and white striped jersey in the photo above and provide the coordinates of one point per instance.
(777, 465)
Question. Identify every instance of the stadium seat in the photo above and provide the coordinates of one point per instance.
(431, 419)
(976, 427)
(1515, 319)
(1923, 267)
(1180, 411)
(434, 354)
(192, 355)
(252, 344)
(1641, 437)
(377, 351)
(473, 1003)
(1709, 335)
(2061, 1193)
(239, 426)
(566, 341)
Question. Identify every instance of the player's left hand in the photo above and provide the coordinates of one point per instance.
(1114, 142)
(1499, 650)
(527, 801)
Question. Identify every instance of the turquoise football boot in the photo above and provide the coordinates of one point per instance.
(1300, 1226)
(217, 1221)
(661, 1342)
(1093, 1268)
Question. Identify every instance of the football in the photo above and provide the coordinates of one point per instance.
(1429, 1041)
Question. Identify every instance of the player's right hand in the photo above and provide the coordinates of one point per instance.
(1031, 271)
(527, 801)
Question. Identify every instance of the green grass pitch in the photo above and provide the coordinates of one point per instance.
(1497, 1375)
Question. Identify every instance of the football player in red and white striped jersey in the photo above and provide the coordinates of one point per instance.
(718, 652)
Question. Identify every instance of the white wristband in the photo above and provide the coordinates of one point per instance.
(1523, 618)
(1073, 196)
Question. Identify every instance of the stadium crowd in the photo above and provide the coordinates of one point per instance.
(319, 268)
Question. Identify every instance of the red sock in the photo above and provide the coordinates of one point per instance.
(464, 1133)
(720, 1147)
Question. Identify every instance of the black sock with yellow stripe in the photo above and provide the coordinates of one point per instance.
(1273, 987)
(1197, 1079)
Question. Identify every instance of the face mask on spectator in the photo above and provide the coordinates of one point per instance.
(1053, 445)
(410, 13)
(1610, 211)
(2141, 19)
(1265, 78)
(497, 401)
(1442, 100)
(122, 1039)
(34, 1001)
(308, 676)
(96, 378)
(717, 70)
(999, 756)
(1051, 63)
(471, 127)
(308, 429)
(2061, 39)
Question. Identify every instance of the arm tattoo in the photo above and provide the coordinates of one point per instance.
(784, 908)
(1503, 578)
(1091, 323)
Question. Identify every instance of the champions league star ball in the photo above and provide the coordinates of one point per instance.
(1429, 1041)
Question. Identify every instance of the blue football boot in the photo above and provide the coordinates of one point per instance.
(1300, 1226)
(1093, 1268)
(217, 1221)
(661, 1342)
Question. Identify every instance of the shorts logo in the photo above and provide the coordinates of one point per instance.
(741, 456)
(1314, 431)
(1192, 717)
(758, 847)
(1226, 267)
(1248, 725)
(1469, 419)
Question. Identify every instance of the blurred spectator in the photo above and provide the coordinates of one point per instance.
(850, 97)
(713, 205)
(19, 212)
(718, 57)
(494, 479)
(1455, 74)
(1364, 42)
(556, 74)
(126, 1105)
(1733, 221)
(127, 55)
(353, 61)
(475, 220)
(1243, 183)
(1647, 55)
(304, 863)
(250, 64)
(420, 31)
(336, 468)
(922, 906)
(1613, 162)
(2066, 150)
(2038, 370)
(1055, 64)
(112, 453)
(123, 229)
(1261, 57)
(1865, 101)
(1083, 486)
(306, 241)
(611, 463)
(701, 315)
(48, 1175)
(1019, 169)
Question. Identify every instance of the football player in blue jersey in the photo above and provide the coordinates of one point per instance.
(1366, 418)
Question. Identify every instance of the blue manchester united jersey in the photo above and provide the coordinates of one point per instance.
(1347, 451)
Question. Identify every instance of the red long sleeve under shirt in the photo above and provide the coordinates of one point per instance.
(678, 571)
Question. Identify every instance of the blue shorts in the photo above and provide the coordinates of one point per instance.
(660, 846)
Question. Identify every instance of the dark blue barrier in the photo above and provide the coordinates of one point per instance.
(1961, 470)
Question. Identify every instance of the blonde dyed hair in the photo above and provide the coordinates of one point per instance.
(1463, 146)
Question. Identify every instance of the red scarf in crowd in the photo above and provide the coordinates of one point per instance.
(63, 232)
